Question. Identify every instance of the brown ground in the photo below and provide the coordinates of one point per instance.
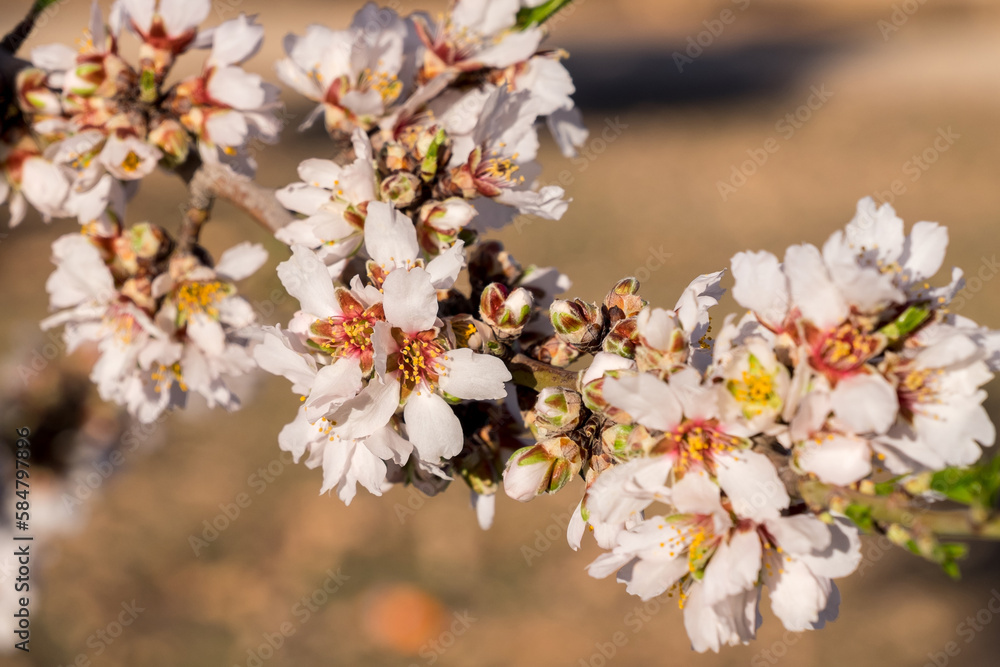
(655, 185)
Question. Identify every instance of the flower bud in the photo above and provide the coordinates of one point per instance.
(622, 339)
(394, 157)
(578, 323)
(34, 95)
(432, 145)
(555, 352)
(542, 468)
(401, 189)
(623, 300)
(171, 138)
(507, 312)
(556, 411)
(593, 399)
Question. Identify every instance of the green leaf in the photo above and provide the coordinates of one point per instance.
(905, 324)
(977, 486)
(532, 16)
(861, 515)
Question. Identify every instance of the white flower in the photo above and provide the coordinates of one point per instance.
(694, 439)
(476, 34)
(335, 200)
(714, 560)
(942, 421)
(353, 74)
(671, 337)
(226, 106)
(415, 368)
(167, 25)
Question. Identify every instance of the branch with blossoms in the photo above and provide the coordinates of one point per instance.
(717, 460)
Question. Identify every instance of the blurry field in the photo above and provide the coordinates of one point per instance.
(415, 582)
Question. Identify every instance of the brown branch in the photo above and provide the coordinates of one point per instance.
(13, 40)
(537, 375)
(208, 182)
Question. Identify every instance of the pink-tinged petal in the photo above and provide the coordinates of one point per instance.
(837, 459)
(390, 237)
(410, 300)
(761, 286)
(752, 484)
(473, 376)
(865, 403)
(811, 288)
(646, 399)
(432, 426)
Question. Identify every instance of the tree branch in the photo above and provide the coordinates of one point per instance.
(900, 509)
(13, 40)
(208, 182)
(537, 375)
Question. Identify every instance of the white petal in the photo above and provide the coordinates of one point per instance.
(646, 399)
(837, 460)
(734, 567)
(812, 290)
(474, 376)
(235, 41)
(753, 485)
(305, 277)
(241, 261)
(390, 237)
(865, 403)
(761, 285)
(432, 426)
(410, 300)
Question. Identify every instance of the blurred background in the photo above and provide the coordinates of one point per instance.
(895, 99)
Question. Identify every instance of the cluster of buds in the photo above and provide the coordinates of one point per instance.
(102, 124)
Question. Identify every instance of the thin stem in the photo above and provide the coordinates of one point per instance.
(900, 509)
(532, 16)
